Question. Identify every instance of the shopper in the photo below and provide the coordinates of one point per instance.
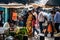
(29, 23)
(33, 25)
(41, 20)
(57, 20)
(30, 15)
(14, 17)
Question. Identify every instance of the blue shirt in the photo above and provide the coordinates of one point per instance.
(57, 17)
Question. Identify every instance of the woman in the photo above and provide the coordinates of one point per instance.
(29, 22)
(33, 25)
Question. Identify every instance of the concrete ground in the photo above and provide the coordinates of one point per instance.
(36, 37)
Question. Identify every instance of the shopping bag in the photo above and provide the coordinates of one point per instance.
(49, 28)
(45, 23)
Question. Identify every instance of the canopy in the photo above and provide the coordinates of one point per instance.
(12, 5)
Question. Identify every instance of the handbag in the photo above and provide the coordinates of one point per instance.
(45, 23)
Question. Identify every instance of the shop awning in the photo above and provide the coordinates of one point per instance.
(12, 5)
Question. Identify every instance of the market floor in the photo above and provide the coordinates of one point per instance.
(35, 37)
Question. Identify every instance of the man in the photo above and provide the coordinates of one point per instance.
(57, 20)
(41, 20)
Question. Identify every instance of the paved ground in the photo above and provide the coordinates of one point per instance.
(33, 38)
(36, 37)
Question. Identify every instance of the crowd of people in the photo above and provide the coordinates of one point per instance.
(35, 18)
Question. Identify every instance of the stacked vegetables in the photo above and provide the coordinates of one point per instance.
(19, 32)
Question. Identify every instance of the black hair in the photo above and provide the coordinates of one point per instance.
(50, 23)
(9, 21)
(33, 9)
(29, 12)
